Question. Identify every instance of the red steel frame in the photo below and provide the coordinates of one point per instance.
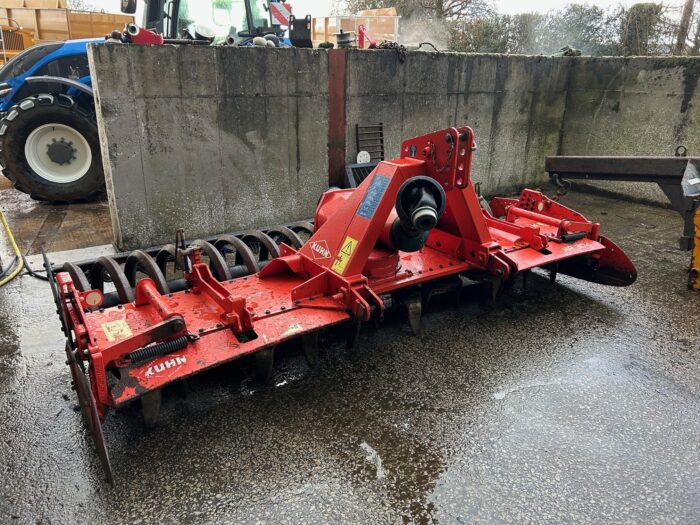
(340, 273)
(364, 35)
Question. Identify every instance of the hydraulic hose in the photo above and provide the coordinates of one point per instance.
(9, 268)
(32, 273)
(20, 260)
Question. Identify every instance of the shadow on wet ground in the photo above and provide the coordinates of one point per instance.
(565, 402)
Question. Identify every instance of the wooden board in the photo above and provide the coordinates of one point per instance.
(52, 24)
(34, 4)
(84, 24)
(41, 4)
(61, 24)
(382, 11)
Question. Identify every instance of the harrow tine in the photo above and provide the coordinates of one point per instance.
(264, 364)
(553, 271)
(150, 407)
(354, 328)
(311, 347)
(496, 284)
(414, 307)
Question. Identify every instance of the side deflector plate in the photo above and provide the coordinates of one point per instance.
(90, 415)
(613, 268)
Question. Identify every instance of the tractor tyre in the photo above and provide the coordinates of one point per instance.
(50, 149)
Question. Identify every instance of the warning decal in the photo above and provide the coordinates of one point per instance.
(374, 194)
(343, 257)
(280, 12)
(116, 330)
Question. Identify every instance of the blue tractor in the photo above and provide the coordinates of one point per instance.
(49, 144)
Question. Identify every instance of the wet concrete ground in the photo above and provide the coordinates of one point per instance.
(566, 403)
(57, 227)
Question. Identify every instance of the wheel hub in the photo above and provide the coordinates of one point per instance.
(58, 153)
(61, 152)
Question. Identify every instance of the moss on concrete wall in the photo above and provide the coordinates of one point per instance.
(222, 139)
(211, 139)
(632, 106)
(514, 103)
(524, 108)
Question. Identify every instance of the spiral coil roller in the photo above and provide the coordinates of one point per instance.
(249, 252)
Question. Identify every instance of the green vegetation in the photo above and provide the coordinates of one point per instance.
(648, 28)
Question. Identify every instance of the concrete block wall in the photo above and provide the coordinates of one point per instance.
(515, 104)
(524, 108)
(209, 139)
(222, 139)
(632, 106)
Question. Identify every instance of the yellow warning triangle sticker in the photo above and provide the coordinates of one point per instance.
(344, 255)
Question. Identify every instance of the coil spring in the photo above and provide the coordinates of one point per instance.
(252, 249)
(149, 352)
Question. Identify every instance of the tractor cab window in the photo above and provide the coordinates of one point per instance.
(223, 18)
(260, 15)
(27, 59)
(73, 67)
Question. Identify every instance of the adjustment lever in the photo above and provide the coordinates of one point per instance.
(572, 237)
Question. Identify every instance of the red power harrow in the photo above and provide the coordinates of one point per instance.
(413, 224)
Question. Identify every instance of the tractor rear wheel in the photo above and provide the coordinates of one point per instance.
(49, 148)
